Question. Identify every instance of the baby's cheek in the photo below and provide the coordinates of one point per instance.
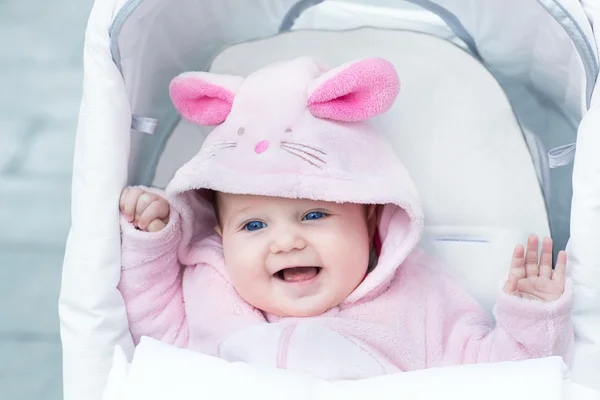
(239, 255)
(356, 258)
(253, 287)
(243, 280)
(245, 267)
(349, 256)
(352, 242)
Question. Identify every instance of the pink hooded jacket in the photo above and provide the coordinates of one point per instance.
(295, 129)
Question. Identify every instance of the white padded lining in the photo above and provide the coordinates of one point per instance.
(452, 126)
(160, 371)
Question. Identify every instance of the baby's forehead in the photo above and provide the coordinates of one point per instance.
(237, 202)
(257, 200)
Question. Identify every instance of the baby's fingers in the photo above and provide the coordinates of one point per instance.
(511, 284)
(157, 210)
(531, 257)
(546, 258)
(560, 271)
(156, 225)
(517, 270)
(143, 202)
(130, 203)
(122, 199)
(517, 266)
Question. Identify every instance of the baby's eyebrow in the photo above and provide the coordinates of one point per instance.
(240, 210)
(235, 213)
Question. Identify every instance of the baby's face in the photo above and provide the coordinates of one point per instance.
(292, 257)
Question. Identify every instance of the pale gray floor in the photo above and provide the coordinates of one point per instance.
(40, 79)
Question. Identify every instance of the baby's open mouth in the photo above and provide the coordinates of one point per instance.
(297, 274)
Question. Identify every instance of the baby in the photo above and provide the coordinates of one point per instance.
(313, 265)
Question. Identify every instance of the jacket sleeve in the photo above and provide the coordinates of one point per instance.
(459, 330)
(151, 281)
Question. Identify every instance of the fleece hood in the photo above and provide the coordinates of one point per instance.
(298, 130)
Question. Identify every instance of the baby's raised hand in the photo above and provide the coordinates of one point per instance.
(533, 279)
(146, 211)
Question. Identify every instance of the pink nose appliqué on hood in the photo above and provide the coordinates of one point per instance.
(261, 146)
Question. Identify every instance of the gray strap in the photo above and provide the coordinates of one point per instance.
(561, 156)
(144, 124)
(453, 23)
(294, 12)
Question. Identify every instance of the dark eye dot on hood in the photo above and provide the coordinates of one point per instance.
(288, 130)
(241, 130)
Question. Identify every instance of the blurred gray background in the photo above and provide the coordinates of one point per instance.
(40, 78)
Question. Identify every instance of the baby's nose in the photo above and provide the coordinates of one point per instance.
(286, 243)
(261, 146)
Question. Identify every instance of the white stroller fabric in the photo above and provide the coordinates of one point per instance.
(160, 371)
(564, 70)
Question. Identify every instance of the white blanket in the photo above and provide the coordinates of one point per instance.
(160, 371)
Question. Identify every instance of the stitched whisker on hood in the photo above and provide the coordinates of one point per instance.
(214, 150)
(304, 146)
(303, 152)
(224, 144)
(220, 147)
(292, 152)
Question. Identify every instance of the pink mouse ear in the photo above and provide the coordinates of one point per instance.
(355, 91)
(204, 98)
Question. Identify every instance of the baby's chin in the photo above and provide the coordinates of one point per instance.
(301, 308)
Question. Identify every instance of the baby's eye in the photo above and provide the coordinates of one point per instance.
(314, 215)
(254, 225)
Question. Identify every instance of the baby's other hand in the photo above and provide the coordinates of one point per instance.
(531, 279)
(146, 211)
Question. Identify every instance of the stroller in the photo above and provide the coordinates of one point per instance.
(497, 121)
